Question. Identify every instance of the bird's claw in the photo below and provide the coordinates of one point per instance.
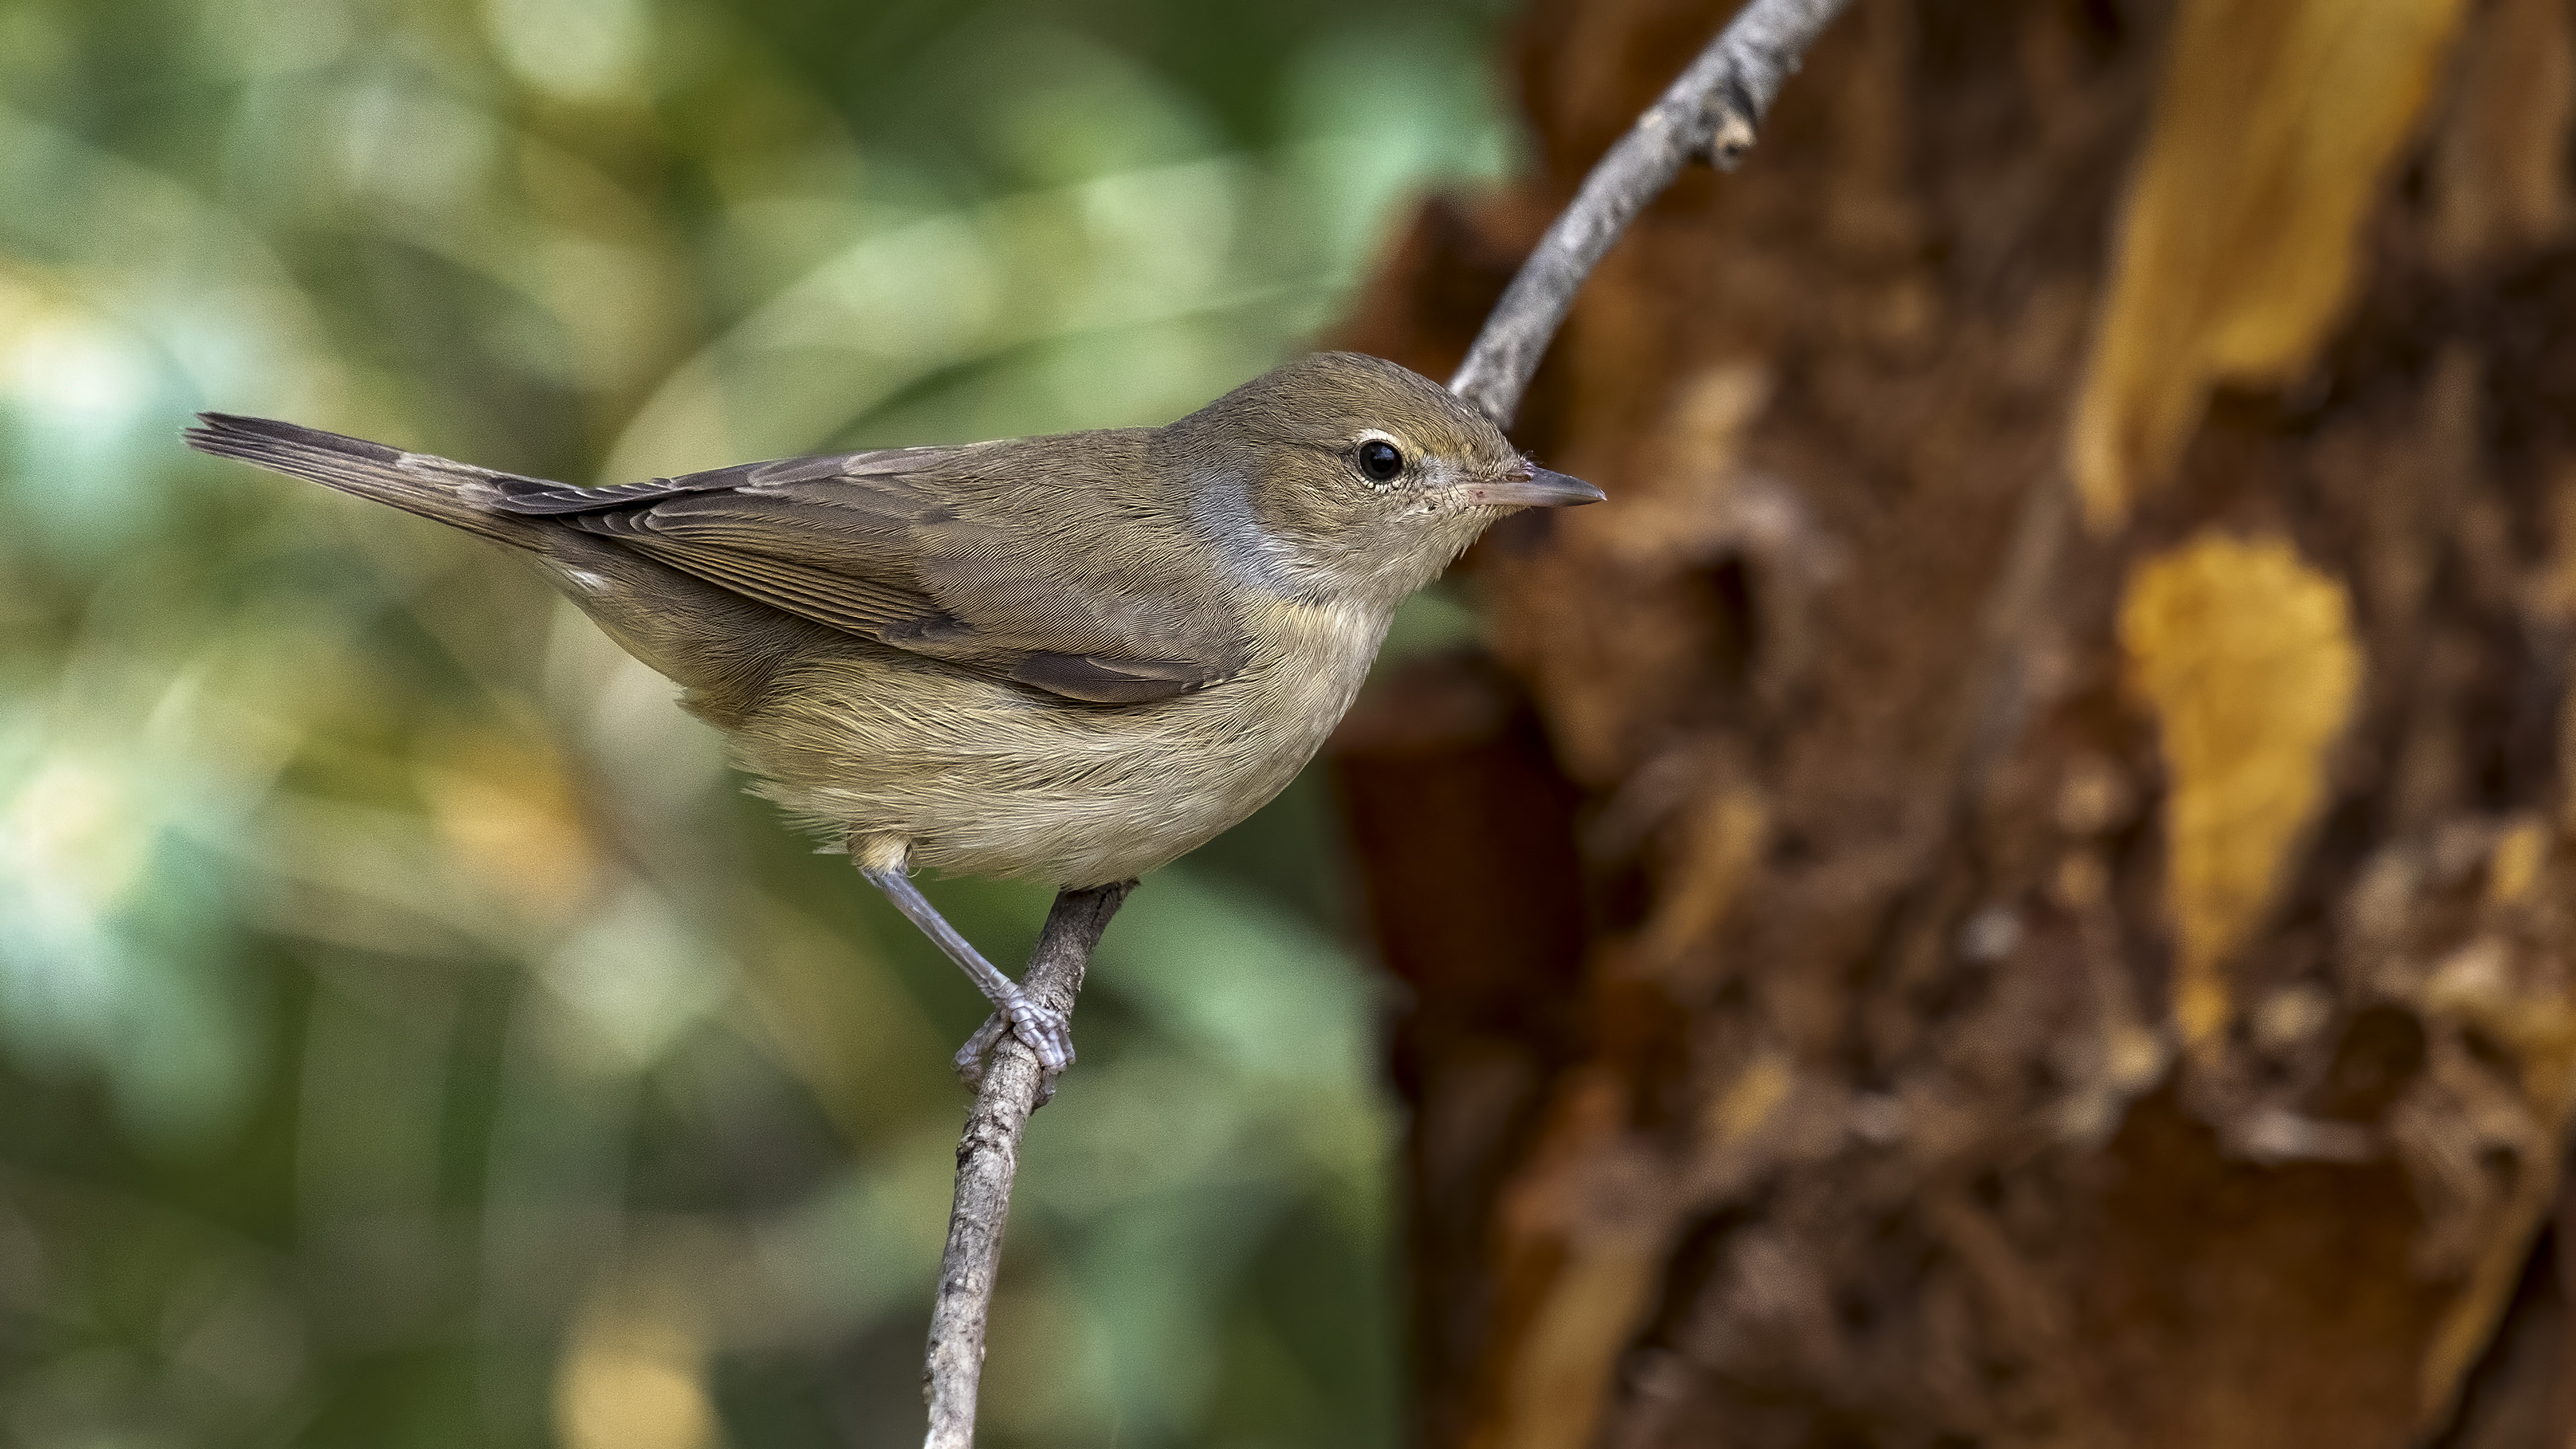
(1046, 1032)
(1047, 1035)
(970, 1057)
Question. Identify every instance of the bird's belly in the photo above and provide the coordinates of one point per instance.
(976, 777)
(1139, 808)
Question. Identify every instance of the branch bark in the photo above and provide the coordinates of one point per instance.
(988, 1157)
(1711, 113)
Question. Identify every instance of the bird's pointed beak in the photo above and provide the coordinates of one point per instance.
(1530, 486)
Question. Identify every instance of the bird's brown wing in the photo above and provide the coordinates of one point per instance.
(1006, 558)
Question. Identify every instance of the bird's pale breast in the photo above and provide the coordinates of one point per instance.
(979, 777)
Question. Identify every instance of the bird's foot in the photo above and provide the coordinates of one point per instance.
(1047, 1034)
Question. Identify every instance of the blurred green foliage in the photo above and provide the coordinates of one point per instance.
(409, 1035)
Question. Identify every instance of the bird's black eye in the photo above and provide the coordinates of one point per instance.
(1380, 460)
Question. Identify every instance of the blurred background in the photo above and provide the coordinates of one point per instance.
(409, 1032)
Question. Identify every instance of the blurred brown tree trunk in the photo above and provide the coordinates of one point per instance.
(2012, 886)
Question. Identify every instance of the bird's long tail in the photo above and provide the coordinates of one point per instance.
(452, 493)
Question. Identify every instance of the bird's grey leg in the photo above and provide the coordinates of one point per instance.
(1047, 1033)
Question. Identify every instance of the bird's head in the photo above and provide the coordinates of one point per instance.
(1349, 474)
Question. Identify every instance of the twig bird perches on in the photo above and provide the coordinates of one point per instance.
(1710, 113)
(988, 1157)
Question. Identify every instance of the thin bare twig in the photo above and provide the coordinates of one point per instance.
(988, 1157)
(1711, 113)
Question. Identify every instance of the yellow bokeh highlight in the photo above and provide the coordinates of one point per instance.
(634, 1376)
(2245, 655)
(2275, 122)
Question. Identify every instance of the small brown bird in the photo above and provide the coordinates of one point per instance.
(1072, 657)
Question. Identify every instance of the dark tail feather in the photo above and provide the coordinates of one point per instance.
(452, 493)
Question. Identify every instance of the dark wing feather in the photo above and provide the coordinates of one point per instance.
(1110, 681)
(1015, 560)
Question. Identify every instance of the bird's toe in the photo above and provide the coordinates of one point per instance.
(1048, 1034)
(971, 1057)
